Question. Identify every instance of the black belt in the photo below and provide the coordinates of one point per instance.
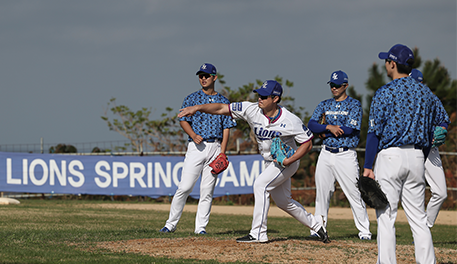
(336, 150)
(416, 146)
(210, 139)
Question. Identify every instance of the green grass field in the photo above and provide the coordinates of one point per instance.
(65, 231)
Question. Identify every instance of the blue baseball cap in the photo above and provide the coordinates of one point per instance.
(270, 87)
(338, 77)
(416, 74)
(207, 68)
(398, 53)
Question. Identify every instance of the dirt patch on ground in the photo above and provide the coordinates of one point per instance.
(276, 251)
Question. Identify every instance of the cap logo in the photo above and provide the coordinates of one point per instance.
(204, 67)
(264, 85)
(334, 76)
(393, 57)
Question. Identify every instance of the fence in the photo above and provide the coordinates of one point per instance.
(85, 147)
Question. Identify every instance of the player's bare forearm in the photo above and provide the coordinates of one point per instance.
(225, 139)
(215, 109)
(189, 131)
(299, 153)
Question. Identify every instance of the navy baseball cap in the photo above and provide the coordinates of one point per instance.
(207, 68)
(338, 77)
(416, 74)
(270, 87)
(398, 53)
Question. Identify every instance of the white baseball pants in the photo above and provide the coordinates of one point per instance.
(275, 181)
(344, 168)
(197, 160)
(434, 175)
(400, 172)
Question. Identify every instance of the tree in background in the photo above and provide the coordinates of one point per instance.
(161, 135)
(62, 148)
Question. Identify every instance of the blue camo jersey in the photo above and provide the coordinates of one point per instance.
(403, 112)
(207, 125)
(346, 113)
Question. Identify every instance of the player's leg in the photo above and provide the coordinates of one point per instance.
(434, 175)
(388, 172)
(283, 198)
(207, 185)
(273, 176)
(346, 174)
(413, 194)
(193, 164)
(325, 186)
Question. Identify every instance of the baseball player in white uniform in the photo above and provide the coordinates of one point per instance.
(208, 136)
(338, 158)
(402, 115)
(434, 173)
(267, 119)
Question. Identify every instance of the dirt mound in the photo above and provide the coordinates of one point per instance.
(277, 250)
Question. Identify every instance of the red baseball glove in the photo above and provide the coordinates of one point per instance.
(219, 164)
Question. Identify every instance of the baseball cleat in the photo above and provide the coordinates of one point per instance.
(202, 232)
(314, 235)
(165, 230)
(250, 239)
(323, 235)
(365, 238)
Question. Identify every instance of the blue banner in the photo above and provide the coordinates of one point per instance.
(152, 176)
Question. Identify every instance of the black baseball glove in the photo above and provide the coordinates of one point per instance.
(371, 193)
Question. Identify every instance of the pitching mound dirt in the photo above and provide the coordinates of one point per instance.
(276, 251)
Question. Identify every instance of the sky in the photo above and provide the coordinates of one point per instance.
(62, 61)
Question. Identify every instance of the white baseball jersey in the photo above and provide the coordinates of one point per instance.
(287, 126)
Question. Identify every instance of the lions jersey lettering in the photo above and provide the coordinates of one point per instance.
(263, 133)
(336, 113)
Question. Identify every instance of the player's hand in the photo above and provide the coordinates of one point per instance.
(368, 173)
(197, 139)
(322, 135)
(286, 162)
(335, 130)
(188, 111)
